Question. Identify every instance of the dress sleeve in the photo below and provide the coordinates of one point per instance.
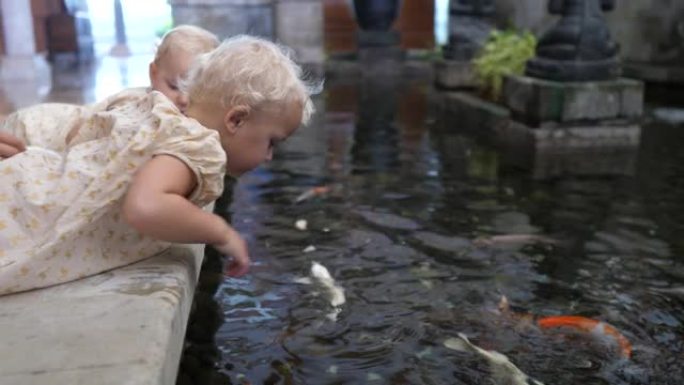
(196, 146)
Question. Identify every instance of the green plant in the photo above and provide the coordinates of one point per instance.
(504, 53)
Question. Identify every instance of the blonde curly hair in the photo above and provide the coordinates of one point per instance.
(188, 39)
(250, 71)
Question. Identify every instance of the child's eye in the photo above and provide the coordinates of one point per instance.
(172, 86)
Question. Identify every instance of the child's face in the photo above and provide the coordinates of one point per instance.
(165, 73)
(249, 140)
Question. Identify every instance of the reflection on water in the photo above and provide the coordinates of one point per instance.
(397, 230)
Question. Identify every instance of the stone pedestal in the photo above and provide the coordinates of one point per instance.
(227, 18)
(535, 101)
(555, 151)
(579, 128)
(299, 25)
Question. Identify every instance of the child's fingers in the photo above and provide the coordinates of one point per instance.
(237, 270)
(7, 151)
(12, 141)
(238, 266)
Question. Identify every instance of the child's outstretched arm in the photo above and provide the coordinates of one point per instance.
(156, 206)
(10, 145)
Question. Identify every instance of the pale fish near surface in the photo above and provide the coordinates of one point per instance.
(321, 274)
(335, 293)
(504, 372)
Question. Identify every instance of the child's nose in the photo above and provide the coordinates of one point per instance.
(269, 155)
(182, 101)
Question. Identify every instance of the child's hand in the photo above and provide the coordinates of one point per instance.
(10, 145)
(236, 248)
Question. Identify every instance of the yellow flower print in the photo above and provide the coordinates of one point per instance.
(16, 239)
(47, 207)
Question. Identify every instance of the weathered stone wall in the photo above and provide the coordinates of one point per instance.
(647, 30)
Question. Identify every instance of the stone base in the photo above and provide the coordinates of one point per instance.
(548, 151)
(25, 79)
(557, 151)
(381, 61)
(227, 17)
(346, 70)
(120, 50)
(573, 70)
(655, 73)
(535, 101)
(373, 39)
(451, 74)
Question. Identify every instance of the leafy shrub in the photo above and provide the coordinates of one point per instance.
(504, 53)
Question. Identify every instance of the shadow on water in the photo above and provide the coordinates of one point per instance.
(397, 230)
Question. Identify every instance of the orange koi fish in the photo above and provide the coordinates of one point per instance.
(587, 325)
(312, 192)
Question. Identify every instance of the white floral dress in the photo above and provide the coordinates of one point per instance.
(60, 204)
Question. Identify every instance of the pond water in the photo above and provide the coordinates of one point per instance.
(409, 194)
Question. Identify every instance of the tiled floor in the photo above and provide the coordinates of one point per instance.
(77, 83)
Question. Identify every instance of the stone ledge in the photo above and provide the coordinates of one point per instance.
(535, 101)
(549, 151)
(122, 327)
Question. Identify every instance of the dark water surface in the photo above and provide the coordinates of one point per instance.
(409, 193)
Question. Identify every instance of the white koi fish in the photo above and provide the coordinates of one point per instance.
(335, 292)
(503, 370)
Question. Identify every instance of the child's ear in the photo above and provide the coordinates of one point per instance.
(235, 118)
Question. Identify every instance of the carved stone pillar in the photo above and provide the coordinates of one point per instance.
(469, 27)
(579, 47)
(375, 18)
(120, 47)
(23, 71)
(379, 51)
(299, 25)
